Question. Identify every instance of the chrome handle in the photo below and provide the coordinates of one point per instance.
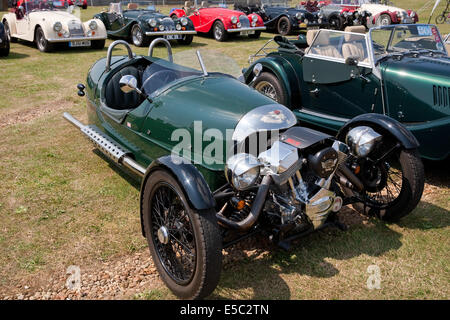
(111, 47)
(166, 43)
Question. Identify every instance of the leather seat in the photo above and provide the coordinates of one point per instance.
(321, 44)
(353, 45)
(204, 4)
(116, 98)
(132, 6)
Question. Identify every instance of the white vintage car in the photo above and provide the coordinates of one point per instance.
(47, 22)
(381, 14)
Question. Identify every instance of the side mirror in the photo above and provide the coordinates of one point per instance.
(128, 83)
(351, 61)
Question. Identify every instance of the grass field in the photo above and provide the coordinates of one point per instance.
(61, 204)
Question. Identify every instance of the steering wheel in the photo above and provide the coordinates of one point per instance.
(161, 78)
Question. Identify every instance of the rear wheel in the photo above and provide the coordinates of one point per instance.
(393, 186)
(4, 51)
(42, 44)
(187, 39)
(219, 32)
(284, 26)
(98, 44)
(138, 37)
(185, 245)
(269, 85)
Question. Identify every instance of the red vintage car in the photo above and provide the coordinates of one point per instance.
(80, 3)
(220, 21)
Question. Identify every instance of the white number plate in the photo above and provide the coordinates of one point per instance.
(85, 43)
(244, 33)
(172, 37)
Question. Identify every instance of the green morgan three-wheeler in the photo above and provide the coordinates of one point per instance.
(329, 77)
(218, 162)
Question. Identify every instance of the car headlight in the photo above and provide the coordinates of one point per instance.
(184, 21)
(93, 25)
(398, 13)
(356, 14)
(254, 18)
(239, 25)
(242, 170)
(320, 16)
(178, 27)
(361, 140)
(306, 21)
(57, 26)
(66, 34)
(234, 19)
(161, 27)
(152, 23)
(412, 14)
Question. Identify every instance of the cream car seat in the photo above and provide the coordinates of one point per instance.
(204, 4)
(132, 6)
(353, 47)
(321, 45)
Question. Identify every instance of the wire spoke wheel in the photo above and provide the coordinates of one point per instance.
(267, 89)
(136, 35)
(173, 234)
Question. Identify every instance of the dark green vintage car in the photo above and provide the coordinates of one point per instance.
(402, 71)
(219, 162)
(141, 22)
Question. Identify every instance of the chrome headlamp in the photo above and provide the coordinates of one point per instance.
(152, 23)
(412, 14)
(161, 27)
(93, 25)
(178, 27)
(57, 26)
(356, 14)
(184, 21)
(361, 140)
(320, 15)
(242, 170)
(234, 19)
(254, 18)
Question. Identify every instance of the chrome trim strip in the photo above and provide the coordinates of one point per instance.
(171, 32)
(75, 39)
(246, 29)
(321, 115)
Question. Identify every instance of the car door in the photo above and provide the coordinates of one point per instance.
(339, 77)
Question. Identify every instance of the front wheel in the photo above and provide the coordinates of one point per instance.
(269, 85)
(42, 43)
(256, 35)
(138, 37)
(284, 26)
(186, 245)
(335, 23)
(98, 44)
(186, 39)
(219, 32)
(384, 20)
(8, 32)
(441, 19)
(393, 187)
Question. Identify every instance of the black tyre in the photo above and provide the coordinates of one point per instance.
(384, 20)
(284, 26)
(138, 37)
(98, 44)
(441, 19)
(4, 52)
(219, 32)
(186, 245)
(269, 85)
(394, 187)
(256, 35)
(42, 44)
(174, 17)
(186, 40)
(8, 32)
(335, 23)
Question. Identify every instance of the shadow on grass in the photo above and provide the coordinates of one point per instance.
(262, 276)
(14, 56)
(437, 173)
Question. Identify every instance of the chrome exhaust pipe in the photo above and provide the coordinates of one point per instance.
(107, 146)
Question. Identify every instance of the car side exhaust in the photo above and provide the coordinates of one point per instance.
(107, 146)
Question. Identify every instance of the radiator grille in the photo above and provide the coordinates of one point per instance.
(75, 29)
(245, 23)
(441, 96)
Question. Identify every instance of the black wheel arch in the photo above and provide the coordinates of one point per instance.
(198, 194)
(386, 124)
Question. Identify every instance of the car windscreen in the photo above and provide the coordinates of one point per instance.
(275, 3)
(138, 5)
(404, 38)
(340, 45)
